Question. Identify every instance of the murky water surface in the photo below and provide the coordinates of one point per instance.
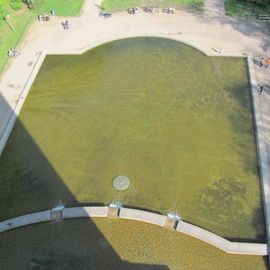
(177, 123)
(111, 244)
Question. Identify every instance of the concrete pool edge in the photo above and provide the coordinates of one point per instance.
(99, 42)
(227, 246)
(16, 111)
(261, 146)
(252, 80)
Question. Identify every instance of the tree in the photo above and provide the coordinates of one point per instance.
(29, 4)
(16, 4)
(32, 4)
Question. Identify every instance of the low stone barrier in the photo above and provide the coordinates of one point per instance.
(82, 212)
(25, 220)
(261, 145)
(247, 248)
(222, 243)
(13, 117)
(144, 216)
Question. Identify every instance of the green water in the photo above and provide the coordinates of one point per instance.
(116, 245)
(177, 123)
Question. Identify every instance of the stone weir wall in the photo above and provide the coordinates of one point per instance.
(115, 211)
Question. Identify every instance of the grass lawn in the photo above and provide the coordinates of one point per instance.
(244, 9)
(60, 7)
(22, 19)
(120, 5)
(8, 38)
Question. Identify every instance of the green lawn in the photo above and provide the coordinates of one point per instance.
(23, 18)
(120, 5)
(244, 8)
(60, 7)
(8, 38)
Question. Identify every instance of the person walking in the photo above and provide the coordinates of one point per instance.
(261, 62)
(221, 50)
(260, 88)
(267, 62)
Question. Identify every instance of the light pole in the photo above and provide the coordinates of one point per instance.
(7, 18)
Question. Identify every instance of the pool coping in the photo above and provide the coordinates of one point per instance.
(261, 146)
(259, 134)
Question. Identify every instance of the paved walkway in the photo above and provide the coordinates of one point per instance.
(214, 8)
(209, 33)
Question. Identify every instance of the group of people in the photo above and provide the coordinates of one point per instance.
(66, 25)
(43, 17)
(136, 10)
(151, 10)
(13, 52)
(106, 14)
(265, 62)
(169, 10)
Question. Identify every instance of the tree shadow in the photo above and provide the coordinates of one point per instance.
(249, 27)
(226, 200)
(40, 188)
(242, 93)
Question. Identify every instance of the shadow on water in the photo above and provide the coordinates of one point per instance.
(26, 163)
(256, 222)
(251, 163)
(232, 194)
(228, 198)
(242, 119)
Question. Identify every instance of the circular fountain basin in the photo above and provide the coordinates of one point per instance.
(121, 182)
